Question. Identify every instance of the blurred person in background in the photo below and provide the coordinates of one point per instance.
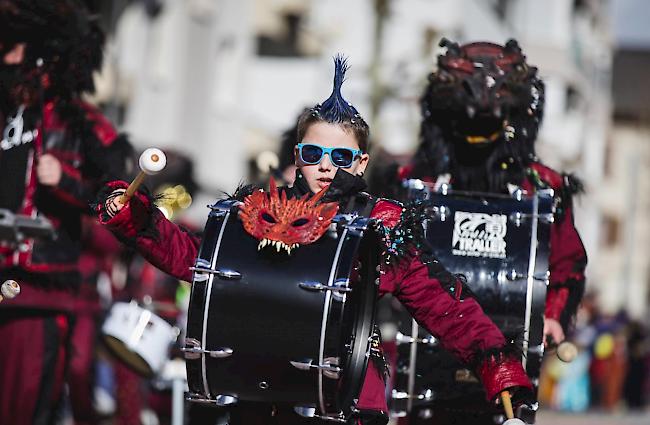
(54, 153)
(98, 265)
(481, 112)
(638, 347)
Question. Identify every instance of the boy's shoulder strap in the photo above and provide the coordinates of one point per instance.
(361, 204)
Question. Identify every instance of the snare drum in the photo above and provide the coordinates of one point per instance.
(138, 337)
(268, 326)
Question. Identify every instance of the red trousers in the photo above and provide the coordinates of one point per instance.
(32, 364)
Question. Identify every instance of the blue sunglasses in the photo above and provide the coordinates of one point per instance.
(340, 157)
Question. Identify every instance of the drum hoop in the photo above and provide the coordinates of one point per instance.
(206, 311)
(428, 187)
(532, 259)
(326, 308)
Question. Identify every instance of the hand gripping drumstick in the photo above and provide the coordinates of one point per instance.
(151, 162)
(507, 407)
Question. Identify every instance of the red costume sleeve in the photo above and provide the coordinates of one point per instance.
(161, 242)
(568, 258)
(567, 262)
(459, 324)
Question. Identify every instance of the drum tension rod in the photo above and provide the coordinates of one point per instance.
(222, 273)
(310, 412)
(306, 365)
(400, 338)
(193, 350)
(316, 286)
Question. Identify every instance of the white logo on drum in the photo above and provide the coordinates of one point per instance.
(479, 235)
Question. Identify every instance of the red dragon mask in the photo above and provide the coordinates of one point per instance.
(285, 223)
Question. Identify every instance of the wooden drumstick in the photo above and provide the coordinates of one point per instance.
(151, 162)
(507, 404)
(507, 408)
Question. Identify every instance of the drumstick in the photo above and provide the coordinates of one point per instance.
(507, 407)
(566, 351)
(9, 289)
(151, 162)
(507, 404)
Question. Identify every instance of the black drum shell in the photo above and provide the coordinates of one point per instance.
(269, 321)
(500, 286)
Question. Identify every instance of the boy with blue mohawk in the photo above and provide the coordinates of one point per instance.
(331, 152)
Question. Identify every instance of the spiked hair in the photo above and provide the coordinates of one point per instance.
(336, 110)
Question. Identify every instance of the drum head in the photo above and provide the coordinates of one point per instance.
(131, 358)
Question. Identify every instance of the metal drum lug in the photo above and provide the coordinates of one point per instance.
(427, 395)
(307, 365)
(517, 194)
(226, 400)
(310, 412)
(516, 218)
(319, 287)
(440, 212)
(226, 274)
(305, 411)
(400, 338)
(219, 400)
(193, 350)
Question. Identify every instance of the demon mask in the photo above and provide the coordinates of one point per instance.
(285, 223)
(481, 112)
(483, 90)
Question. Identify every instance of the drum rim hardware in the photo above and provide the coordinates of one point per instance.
(193, 350)
(226, 274)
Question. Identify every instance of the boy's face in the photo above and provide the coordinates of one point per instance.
(328, 135)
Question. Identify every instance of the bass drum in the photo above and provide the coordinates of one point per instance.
(500, 244)
(267, 326)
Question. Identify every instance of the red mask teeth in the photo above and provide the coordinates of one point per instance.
(283, 223)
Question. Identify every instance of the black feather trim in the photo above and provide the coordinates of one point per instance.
(406, 239)
(512, 349)
(242, 191)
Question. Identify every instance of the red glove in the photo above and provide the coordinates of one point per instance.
(501, 372)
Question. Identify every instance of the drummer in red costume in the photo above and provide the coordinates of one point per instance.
(331, 154)
(55, 150)
(481, 113)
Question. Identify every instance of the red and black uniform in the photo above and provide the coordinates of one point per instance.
(36, 325)
(48, 53)
(459, 323)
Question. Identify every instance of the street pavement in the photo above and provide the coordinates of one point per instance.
(546, 417)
